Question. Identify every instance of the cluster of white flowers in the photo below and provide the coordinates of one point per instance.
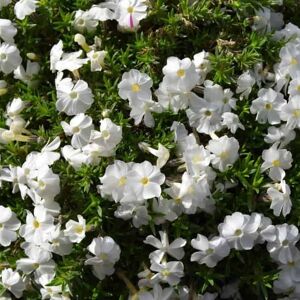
(128, 14)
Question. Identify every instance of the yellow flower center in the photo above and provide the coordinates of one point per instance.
(298, 88)
(3, 56)
(79, 229)
(76, 129)
(41, 184)
(224, 155)
(73, 95)
(178, 200)
(296, 113)
(208, 113)
(276, 163)
(36, 224)
(238, 232)
(268, 106)
(165, 273)
(180, 73)
(294, 61)
(103, 256)
(122, 181)
(130, 9)
(145, 180)
(135, 88)
(209, 251)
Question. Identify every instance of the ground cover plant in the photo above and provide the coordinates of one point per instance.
(149, 149)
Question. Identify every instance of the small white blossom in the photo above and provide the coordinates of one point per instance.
(75, 231)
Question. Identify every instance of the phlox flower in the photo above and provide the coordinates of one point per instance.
(276, 160)
(10, 58)
(97, 59)
(283, 248)
(145, 179)
(280, 197)
(12, 281)
(282, 135)
(135, 86)
(84, 21)
(240, 230)
(291, 112)
(202, 64)
(245, 82)
(268, 106)
(39, 263)
(169, 272)
(180, 75)
(80, 129)
(174, 249)
(210, 251)
(130, 12)
(107, 253)
(225, 151)
(75, 231)
(73, 99)
(7, 31)
(25, 8)
(9, 224)
(28, 75)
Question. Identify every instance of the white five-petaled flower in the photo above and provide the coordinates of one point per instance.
(174, 249)
(12, 281)
(290, 112)
(146, 179)
(180, 75)
(240, 230)
(225, 151)
(280, 197)
(25, 8)
(73, 99)
(268, 106)
(75, 231)
(107, 253)
(7, 31)
(80, 129)
(8, 226)
(10, 58)
(211, 251)
(276, 160)
(135, 86)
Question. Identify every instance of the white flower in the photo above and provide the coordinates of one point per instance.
(130, 12)
(162, 211)
(75, 157)
(290, 59)
(73, 99)
(225, 152)
(294, 86)
(169, 272)
(25, 8)
(143, 109)
(10, 58)
(245, 82)
(180, 75)
(114, 180)
(55, 54)
(211, 251)
(291, 112)
(280, 197)
(7, 31)
(283, 135)
(32, 69)
(175, 249)
(266, 20)
(135, 86)
(96, 59)
(162, 153)
(108, 138)
(276, 160)
(80, 129)
(15, 107)
(60, 244)
(40, 263)
(156, 293)
(214, 93)
(240, 230)
(145, 179)
(204, 115)
(268, 106)
(52, 292)
(232, 122)
(8, 226)
(283, 248)
(38, 226)
(12, 281)
(46, 184)
(76, 230)
(202, 64)
(107, 253)
(84, 20)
